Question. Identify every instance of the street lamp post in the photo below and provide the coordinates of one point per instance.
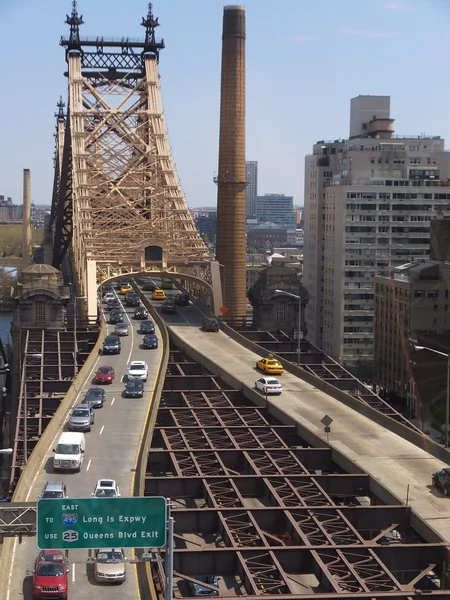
(447, 395)
(25, 402)
(75, 341)
(299, 348)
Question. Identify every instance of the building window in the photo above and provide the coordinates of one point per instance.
(40, 311)
(281, 311)
(433, 294)
(419, 294)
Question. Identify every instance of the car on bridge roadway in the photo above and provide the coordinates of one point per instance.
(108, 296)
(106, 488)
(54, 489)
(105, 374)
(182, 300)
(211, 325)
(201, 590)
(141, 313)
(134, 389)
(269, 385)
(126, 287)
(169, 308)
(121, 329)
(111, 345)
(270, 366)
(116, 316)
(138, 369)
(441, 480)
(150, 341)
(147, 327)
(50, 575)
(159, 294)
(82, 418)
(95, 397)
(110, 566)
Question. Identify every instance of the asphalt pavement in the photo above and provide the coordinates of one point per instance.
(112, 449)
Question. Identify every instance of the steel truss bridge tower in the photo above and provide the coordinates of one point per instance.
(117, 203)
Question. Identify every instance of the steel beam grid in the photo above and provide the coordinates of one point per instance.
(254, 503)
(126, 195)
(46, 375)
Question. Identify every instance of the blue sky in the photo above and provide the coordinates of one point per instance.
(305, 60)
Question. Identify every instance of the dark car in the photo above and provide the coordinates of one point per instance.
(168, 307)
(113, 304)
(95, 397)
(104, 374)
(132, 299)
(150, 341)
(134, 389)
(122, 283)
(201, 590)
(116, 316)
(182, 300)
(441, 480)
(147, 327)
(148, 286)
(108, 288)
(211, 325)
(111, 345)
(141, 313)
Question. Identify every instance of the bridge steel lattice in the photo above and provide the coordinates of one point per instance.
(117, 203)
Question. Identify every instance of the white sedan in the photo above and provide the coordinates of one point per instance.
(138, 369)
(106, 488)
(269, 385)
(108, 296)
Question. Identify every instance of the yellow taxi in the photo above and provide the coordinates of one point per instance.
(159, 295)
(125, 288)
(270, 365)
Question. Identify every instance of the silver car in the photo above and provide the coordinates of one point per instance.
(82, 418)
(54, 489)
(121, 329)
(110, 566)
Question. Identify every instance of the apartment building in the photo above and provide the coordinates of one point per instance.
(252, 187)
(276, 208)
(368, 203)
(415, 300)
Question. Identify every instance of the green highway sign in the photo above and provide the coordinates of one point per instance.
(101, 523)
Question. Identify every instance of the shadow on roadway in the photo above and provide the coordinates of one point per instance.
(49, 465)
(436, 492)
(27, 587)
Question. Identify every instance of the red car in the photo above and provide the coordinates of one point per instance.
(104, 375)
(50, 575)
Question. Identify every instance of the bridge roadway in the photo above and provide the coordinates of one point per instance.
(392, 461)
(111, 451)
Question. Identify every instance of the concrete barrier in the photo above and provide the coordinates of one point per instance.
(421, 527)
(41, 450)
(145, 580)
(418, 439)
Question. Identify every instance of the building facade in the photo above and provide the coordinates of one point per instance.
(414, 301)
(368, 205)
(276, 208)
(252, 187)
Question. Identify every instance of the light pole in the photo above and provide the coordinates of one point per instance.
(25, 402)
(75, 341)
(447, 396)
(299, 348)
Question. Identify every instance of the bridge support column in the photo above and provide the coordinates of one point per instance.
(91, 290)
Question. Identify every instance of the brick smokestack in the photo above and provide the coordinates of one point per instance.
(231, 176)
(26, 219)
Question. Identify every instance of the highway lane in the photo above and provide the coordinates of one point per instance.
(385, 456)
(112, 448)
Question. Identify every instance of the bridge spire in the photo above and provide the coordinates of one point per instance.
(60, 117)
(151, 23)
(74, 21)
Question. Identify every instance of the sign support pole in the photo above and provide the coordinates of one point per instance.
(169, 553)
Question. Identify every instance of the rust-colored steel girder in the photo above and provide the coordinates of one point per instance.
(255, 504)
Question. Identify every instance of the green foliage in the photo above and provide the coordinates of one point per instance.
(11, 235)
(438, 411)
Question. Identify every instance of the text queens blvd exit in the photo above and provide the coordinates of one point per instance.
(101, 523)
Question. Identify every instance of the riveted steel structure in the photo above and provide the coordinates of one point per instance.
(117, 201)
(231, 176)
(269, 515)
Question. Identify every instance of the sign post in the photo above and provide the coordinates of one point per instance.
(101, 523)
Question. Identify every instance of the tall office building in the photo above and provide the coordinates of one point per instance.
(368, 203)
(251, 167)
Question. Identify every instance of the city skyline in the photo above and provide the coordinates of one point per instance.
(282, 124)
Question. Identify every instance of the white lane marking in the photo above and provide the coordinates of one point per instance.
(181, 313)
(73, 573)
(101, 430)
(123, 377)
(132, 334)
(8, 591)
(89, 464)
(112, 401)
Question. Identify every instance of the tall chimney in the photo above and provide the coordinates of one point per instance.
(26, 216)
(231, 176)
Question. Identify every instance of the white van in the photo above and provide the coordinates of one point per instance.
(69, 453)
